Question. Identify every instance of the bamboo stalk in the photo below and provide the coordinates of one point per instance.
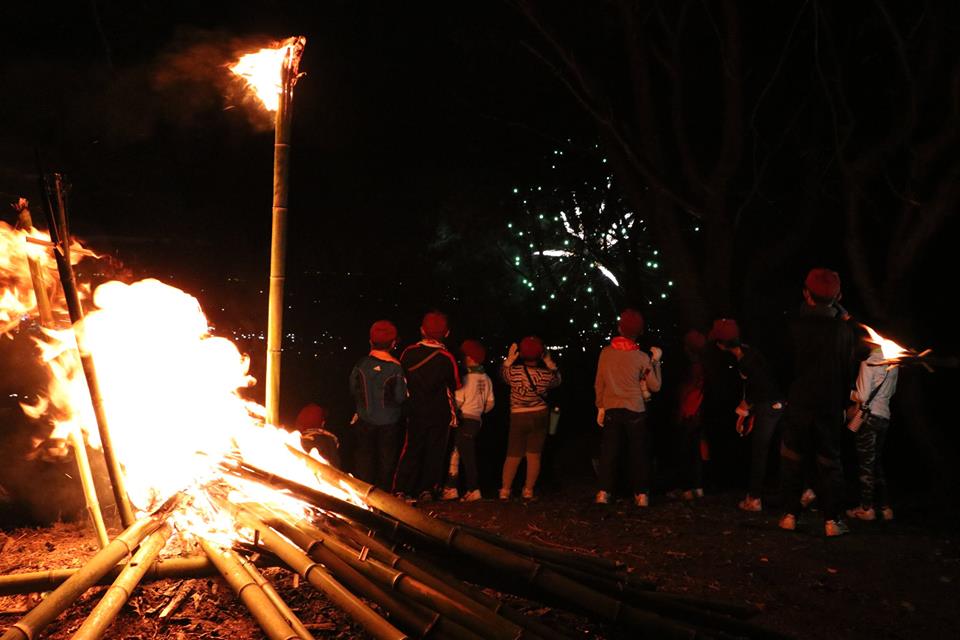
(276, 599)
(40, 616)
(438, 578)
(552, 582)
(168, 569)
(59, 235)
(264, 612)
(278, 242)
(119, 592)
(577, 560)
(322, 580)
(92, 501)
(462, 610)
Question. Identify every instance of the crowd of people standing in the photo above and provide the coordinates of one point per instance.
(418, 415)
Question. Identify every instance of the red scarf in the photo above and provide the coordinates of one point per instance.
(624, 344)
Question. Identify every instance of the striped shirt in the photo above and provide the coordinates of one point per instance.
(523, 396)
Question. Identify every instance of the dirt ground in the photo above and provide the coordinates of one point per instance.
(896, 580)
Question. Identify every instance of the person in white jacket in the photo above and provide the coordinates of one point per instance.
(473, 399)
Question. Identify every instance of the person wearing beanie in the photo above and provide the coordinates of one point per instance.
(760, 410)
(529, 382)
(625, 375)
(825, 360)
(378, 388)
(312, 424)
(688, 419)
(473, 399)
(432, 379)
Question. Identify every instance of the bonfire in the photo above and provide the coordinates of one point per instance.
(208, 481)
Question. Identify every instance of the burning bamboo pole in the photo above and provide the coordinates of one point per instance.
(275, 598)
(25, 221)
(266, 614)
(165, 569)
(119, 592)
(412, 619)
(40, 616)
(59, 235)
(436, 577)
(323, 581)
(278, 244)
(513, 564)
(464, 611)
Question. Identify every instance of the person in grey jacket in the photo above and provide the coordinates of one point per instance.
(626, 376)
(876, 385)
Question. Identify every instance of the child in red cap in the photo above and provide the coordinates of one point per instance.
(432, 379)
(824, 362)
(473, 399)
(759, 411)
(379, 389)
(529, 414)
(624, 373)
(312, 424)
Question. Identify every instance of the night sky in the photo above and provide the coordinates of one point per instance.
(414, 124)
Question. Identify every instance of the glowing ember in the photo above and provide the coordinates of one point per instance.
(263, 70)
(889, 348)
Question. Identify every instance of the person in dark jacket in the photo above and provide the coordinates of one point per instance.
(824, 360)
(761, 408)
(432, 379)
(379, 389)
(689, 417)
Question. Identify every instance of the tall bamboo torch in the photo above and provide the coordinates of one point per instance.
(272, 74)
(25, 221)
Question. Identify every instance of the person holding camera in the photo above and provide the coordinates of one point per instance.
(529, 413)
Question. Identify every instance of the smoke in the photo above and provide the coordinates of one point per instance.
(192, 77)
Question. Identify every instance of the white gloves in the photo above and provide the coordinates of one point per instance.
(656, 353)
(600, 415)
(512, 355)
(547, 360)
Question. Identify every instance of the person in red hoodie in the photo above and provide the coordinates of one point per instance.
(625, 377)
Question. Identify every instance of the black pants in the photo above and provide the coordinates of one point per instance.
(765, 422)
(816, 434)
(620, 425)
(424, 456)
(689, 460)
(466, 440)
(377, 449)
(870, 439)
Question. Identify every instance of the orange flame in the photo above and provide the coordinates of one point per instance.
(889, 348)
(263, 70)
(17, 248)
(172, 391)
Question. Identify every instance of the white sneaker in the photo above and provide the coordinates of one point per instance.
(698, 493)
(527, 494)
(602, 497)
(751, 504)
(834, 528)
(788, 522)
(504, 494)
(450, 493)
(886, 513)
(471, 496)
(807, 498)
(641, 500)
(862, 514)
